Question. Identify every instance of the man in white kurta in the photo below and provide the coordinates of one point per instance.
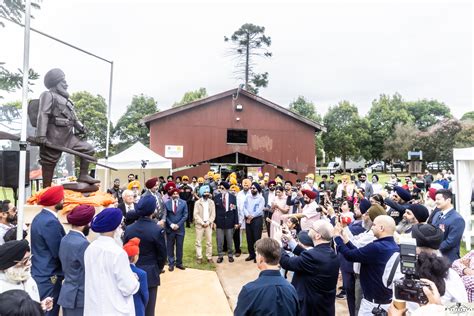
(109, 281)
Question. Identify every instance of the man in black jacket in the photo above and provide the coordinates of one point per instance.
(227, 219)
(152, 247)
(316, 270)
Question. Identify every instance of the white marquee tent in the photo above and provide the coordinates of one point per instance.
(464, 187)
(130, 161)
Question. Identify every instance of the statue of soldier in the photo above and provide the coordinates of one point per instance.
(57, 124)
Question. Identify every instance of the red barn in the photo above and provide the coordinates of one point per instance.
(236, 130)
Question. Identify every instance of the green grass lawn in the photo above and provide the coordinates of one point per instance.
(189, 249)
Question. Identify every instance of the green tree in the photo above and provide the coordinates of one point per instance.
(468, 116)
(465, 137)
(15, 104)
(249, 42)
(438, 141)
(401, 142)
(191, 96)
(346, 131)
(129, 130)
(307, 109)
(384, 114)
(92, 112)
(426, 113)
(12, 80)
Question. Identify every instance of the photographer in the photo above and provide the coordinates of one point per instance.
(434, 306)
(373, 259)
(432, 266)
(398, 203)
(310, 212)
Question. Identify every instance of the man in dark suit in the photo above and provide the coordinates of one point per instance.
(71, 254)
(316, 270)
(46, 235)
(270, 294)
(152, 186)
(152, 247)
(176, 215)
(128, 207)
(451, 223)
(227, 219)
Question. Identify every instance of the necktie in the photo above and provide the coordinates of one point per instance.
(224, 201)
(175, 206)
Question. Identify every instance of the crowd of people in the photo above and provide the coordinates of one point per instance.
(316, 232)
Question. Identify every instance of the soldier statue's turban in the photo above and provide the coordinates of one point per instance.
(53, 77)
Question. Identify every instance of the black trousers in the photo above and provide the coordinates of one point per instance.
(254, 233)
(267, 214)
(150, 307)
(236, 238)
(348, 282)
(190, 218)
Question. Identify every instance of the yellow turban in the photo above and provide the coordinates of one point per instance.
(235, 188)
(217, 176)
(233, 181)
(233, 175)
(134, 183)
(200, 180)
(310, 175)
(246, 182)
(210, 174)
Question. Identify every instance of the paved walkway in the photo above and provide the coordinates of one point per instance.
(191, 292)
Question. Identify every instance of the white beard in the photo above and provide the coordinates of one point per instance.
(118, 236)
(17, 274)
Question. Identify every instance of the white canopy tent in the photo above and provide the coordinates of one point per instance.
(464, 187)
(130, 161)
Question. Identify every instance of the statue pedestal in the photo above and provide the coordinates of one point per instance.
(80, 187)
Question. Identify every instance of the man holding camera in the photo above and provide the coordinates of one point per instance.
(398, 203)
(373, 258)
(316, 270)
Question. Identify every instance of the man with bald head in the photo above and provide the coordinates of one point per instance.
(316, 270)
(373, 258)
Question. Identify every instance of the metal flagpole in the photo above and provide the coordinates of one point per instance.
(23, 143)
(107, 142)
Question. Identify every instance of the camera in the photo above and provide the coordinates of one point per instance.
(409, 288)
(379, 311)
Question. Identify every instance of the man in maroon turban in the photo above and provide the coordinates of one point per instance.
(71, 254)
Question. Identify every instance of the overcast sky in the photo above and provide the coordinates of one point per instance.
(324, 51)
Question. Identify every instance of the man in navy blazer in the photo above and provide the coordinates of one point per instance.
(270, 294)
(316, 270)
(46, 235)
(227, 219)
(71, 254)
(152, 247)
(451, 223)
(176, 215)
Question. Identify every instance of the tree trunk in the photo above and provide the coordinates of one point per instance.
(247, 57)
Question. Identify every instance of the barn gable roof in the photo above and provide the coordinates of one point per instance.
(147, 119)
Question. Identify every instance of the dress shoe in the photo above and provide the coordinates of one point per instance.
(249, 258)
(210, 261)
(199, 261)
(231, 259)
(220, 259)
(237, 254)
(170, 268)
(181, 267)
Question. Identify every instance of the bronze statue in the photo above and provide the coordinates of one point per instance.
(57, 124)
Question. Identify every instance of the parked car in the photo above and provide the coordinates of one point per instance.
(438, 165)
(351, 166)
(378, 166)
